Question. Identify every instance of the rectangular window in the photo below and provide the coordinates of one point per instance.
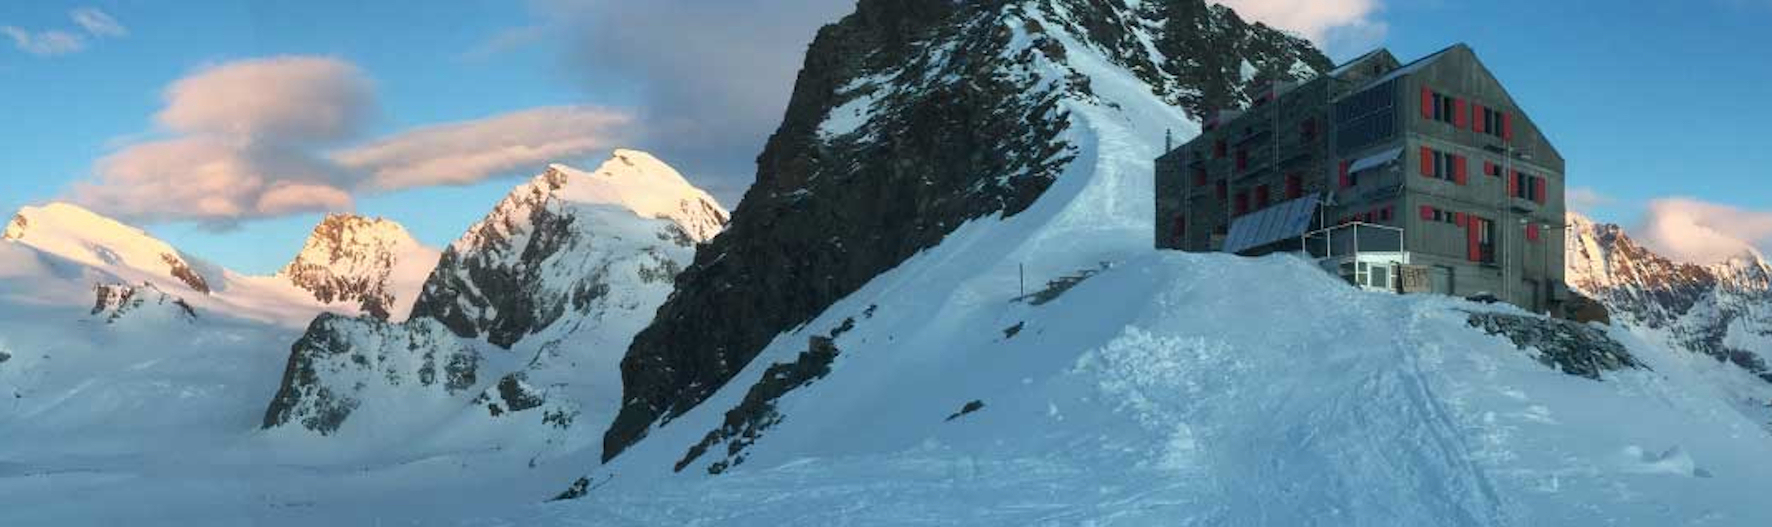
(1199, 177)
(1485, 244)
(1437, 101)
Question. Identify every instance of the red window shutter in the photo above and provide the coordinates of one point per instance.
(1507, 127)
(1242, 203)
(1294, 187)
(1460, 173)
(1261, 196)
(1347, 179)
(1199, 177)
(1473, 246)
(1477, 123)
(1458, 218)
(1488, 167)
(1389, 212)
(1427, 213)
(1427, 103)
(1513, 183)
(1427, 161)
(1532, 232)
(1538, 190)
(1460, 114)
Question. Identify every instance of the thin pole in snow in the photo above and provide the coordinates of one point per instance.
(1021, 271)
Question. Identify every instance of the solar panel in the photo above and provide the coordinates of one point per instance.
(1286, 220)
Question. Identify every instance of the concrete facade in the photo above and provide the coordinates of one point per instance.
(1436, 147)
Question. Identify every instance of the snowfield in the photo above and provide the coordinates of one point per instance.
(1117, 385)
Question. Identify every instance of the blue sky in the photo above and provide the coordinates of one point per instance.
(1647, 100)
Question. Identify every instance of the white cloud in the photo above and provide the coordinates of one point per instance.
(97, 22)
(52, 42)
(45, 43)
(1585, 199)
(1341, 26)
(470, 151)
(1696, 231)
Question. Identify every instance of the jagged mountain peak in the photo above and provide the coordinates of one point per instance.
(1718, 309)
(88, 238)
(911, 118)
(546, 249)
(373, 263)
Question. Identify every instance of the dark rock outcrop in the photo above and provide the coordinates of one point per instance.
(746, 422)
(1573, 348)
(961, 124)
(339, 358)
(113, 302)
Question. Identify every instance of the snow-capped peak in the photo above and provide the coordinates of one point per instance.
(648, 187)
(85, 237)
(372, 262)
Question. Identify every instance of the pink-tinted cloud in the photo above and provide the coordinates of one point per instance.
(470, 151)
(245, 144)
(274, 100)
(260, 138)
(211, 181)
(1700, 232)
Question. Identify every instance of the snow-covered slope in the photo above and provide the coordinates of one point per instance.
(517, 334)
(1722, 310)
(58, 253)
(369, 264)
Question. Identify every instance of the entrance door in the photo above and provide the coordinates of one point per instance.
(1440, 279)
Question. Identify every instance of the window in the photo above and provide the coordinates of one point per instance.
(1441, 165)
(1491, 169)
(1367, 117)
(1443, 108)
(1496, 123)
(1484, 230)
(1527, 187)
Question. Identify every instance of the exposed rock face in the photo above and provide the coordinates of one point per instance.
(909, 118)
(113, 302)
(1722, 310)
(524, 266)
(370, 262)
(548, 289)
(341, 362)
(1574, 348)
(15, 229)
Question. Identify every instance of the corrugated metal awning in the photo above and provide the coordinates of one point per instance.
(1286, 220)
(1376, 160)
